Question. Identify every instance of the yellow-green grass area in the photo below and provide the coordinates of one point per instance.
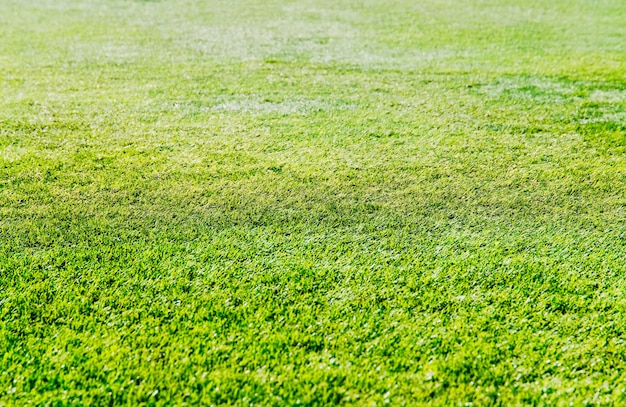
(316, 202)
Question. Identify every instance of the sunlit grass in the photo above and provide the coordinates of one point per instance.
(312, 202)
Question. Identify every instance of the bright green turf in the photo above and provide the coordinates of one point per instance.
(312, 202)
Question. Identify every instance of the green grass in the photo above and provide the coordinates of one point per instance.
(314, 202)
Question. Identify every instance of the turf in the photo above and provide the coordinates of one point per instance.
(316, 202)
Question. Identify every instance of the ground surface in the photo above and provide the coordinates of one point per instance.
(314, 202)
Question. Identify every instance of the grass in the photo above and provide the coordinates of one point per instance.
(280, 203)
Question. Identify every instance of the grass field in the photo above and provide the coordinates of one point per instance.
(314, 202)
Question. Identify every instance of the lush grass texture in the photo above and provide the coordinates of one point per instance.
(312, 202)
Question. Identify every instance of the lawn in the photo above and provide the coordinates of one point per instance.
(355, 202)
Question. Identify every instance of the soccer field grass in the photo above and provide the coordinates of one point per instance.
(316, 202)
